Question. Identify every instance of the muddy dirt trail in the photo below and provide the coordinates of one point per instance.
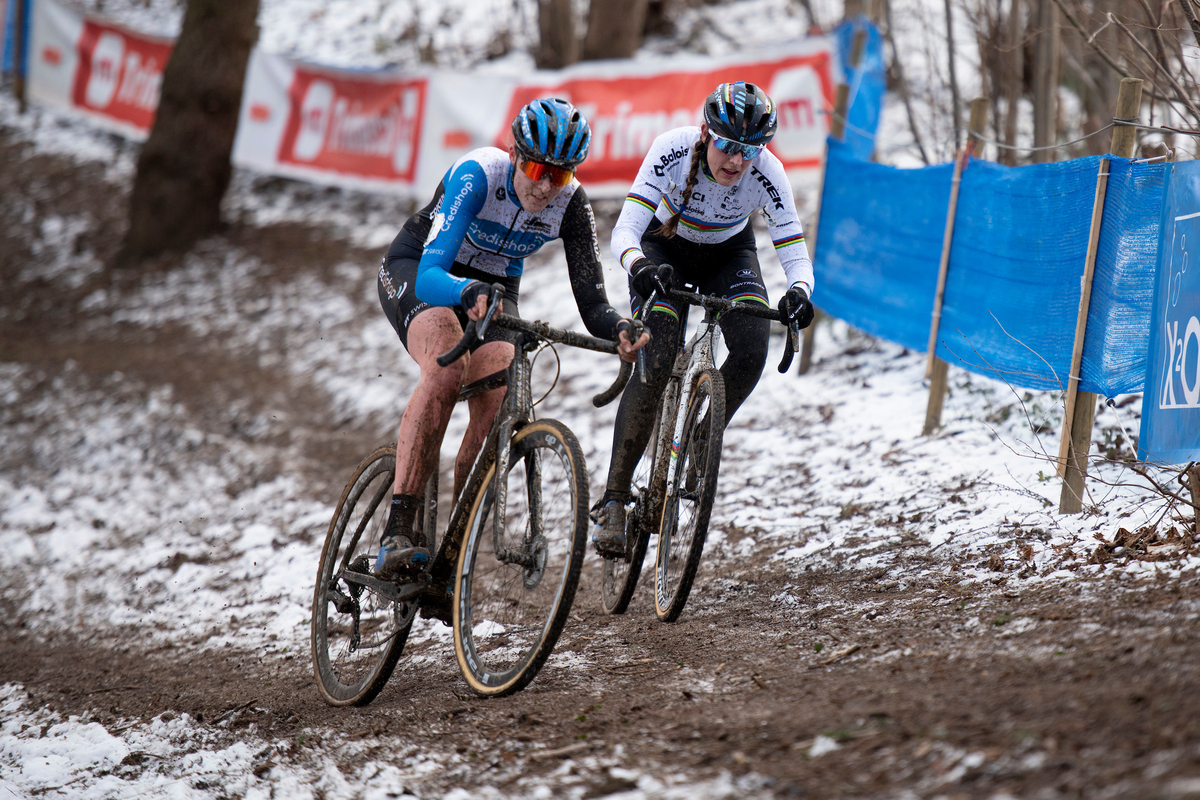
(901, 680)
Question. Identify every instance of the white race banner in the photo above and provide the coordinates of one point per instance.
(399, 132)
(96, 68)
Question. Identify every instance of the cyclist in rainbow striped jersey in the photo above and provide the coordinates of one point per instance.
(686, 220)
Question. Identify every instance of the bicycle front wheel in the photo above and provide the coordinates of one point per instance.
(619, 574)
(357, 634)
(690, 496)
(515, 586)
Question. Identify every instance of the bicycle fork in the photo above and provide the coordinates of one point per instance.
(516, 417)
(690, 363)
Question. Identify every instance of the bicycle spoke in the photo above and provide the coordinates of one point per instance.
(515, 589)
(357, 632)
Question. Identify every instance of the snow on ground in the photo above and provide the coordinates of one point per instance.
(167, 541)
(822, 470)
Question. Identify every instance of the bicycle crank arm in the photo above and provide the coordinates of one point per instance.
(395, 592)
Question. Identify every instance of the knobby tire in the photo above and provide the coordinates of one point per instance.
(686, 509)
(354, 651)
(619, 575)
(508, 613)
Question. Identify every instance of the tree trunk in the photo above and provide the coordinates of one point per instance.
(955, 102)
(615, 28)
(184, 167)
(1014, 81)
(556, 25)
(1045, 80)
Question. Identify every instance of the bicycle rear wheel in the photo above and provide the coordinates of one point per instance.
(690, 496)
(619, 575)
(357, 633)
(512, 592)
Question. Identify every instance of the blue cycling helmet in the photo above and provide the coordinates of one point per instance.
(552, 131)
(742, 112)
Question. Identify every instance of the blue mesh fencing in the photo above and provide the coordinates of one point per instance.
(878, 245)
(1115, 351)
(1012, 289)
(868, 83)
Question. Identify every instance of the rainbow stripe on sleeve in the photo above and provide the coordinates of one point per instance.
(637, 198)
(749, 297)
(797, 239)
(699, 225)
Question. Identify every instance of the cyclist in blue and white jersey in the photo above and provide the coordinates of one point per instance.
(491, 210)
(687, 220)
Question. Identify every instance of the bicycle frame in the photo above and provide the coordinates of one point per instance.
(516, 411)
(695, 355)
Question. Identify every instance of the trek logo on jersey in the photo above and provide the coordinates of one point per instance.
(772, 192)
(667, 159)
(353, 124)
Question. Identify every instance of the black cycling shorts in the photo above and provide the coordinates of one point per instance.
(727, 269)
(397, 294)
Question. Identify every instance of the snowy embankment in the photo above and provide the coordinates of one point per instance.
(135, 516)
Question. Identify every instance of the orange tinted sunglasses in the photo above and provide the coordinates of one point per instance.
(535, 171)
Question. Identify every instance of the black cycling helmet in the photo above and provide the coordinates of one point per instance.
(552, 131)
(742, 112)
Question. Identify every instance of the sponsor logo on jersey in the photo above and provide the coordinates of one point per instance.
(535, 224)
(667, 159)
(745, 273)
(522, 248)
(501, 194)
(458, 201)
(772, 192)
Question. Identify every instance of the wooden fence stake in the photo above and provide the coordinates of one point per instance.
(837, 129)
(1080, 407)
(1193, 477)
(18, 53)
(936, 370)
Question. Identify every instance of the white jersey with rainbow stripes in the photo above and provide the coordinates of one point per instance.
(715, 212)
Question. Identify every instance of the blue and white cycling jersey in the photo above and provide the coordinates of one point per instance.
(477, 221)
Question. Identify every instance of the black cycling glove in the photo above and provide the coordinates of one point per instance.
(649, 277)
(472, 292)
(795, 306)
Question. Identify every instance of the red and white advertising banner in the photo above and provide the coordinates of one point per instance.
(360, 129)
(628, 104)
(400, 132)
(104, 71)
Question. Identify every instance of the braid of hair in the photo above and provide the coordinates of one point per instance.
(668, 228)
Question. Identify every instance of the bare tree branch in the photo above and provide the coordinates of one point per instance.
(902, 83)
(1090, 39)
(1190, 13)
(1182, 95)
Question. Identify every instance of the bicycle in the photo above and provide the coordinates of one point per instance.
(510, 556)
(675, 479)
